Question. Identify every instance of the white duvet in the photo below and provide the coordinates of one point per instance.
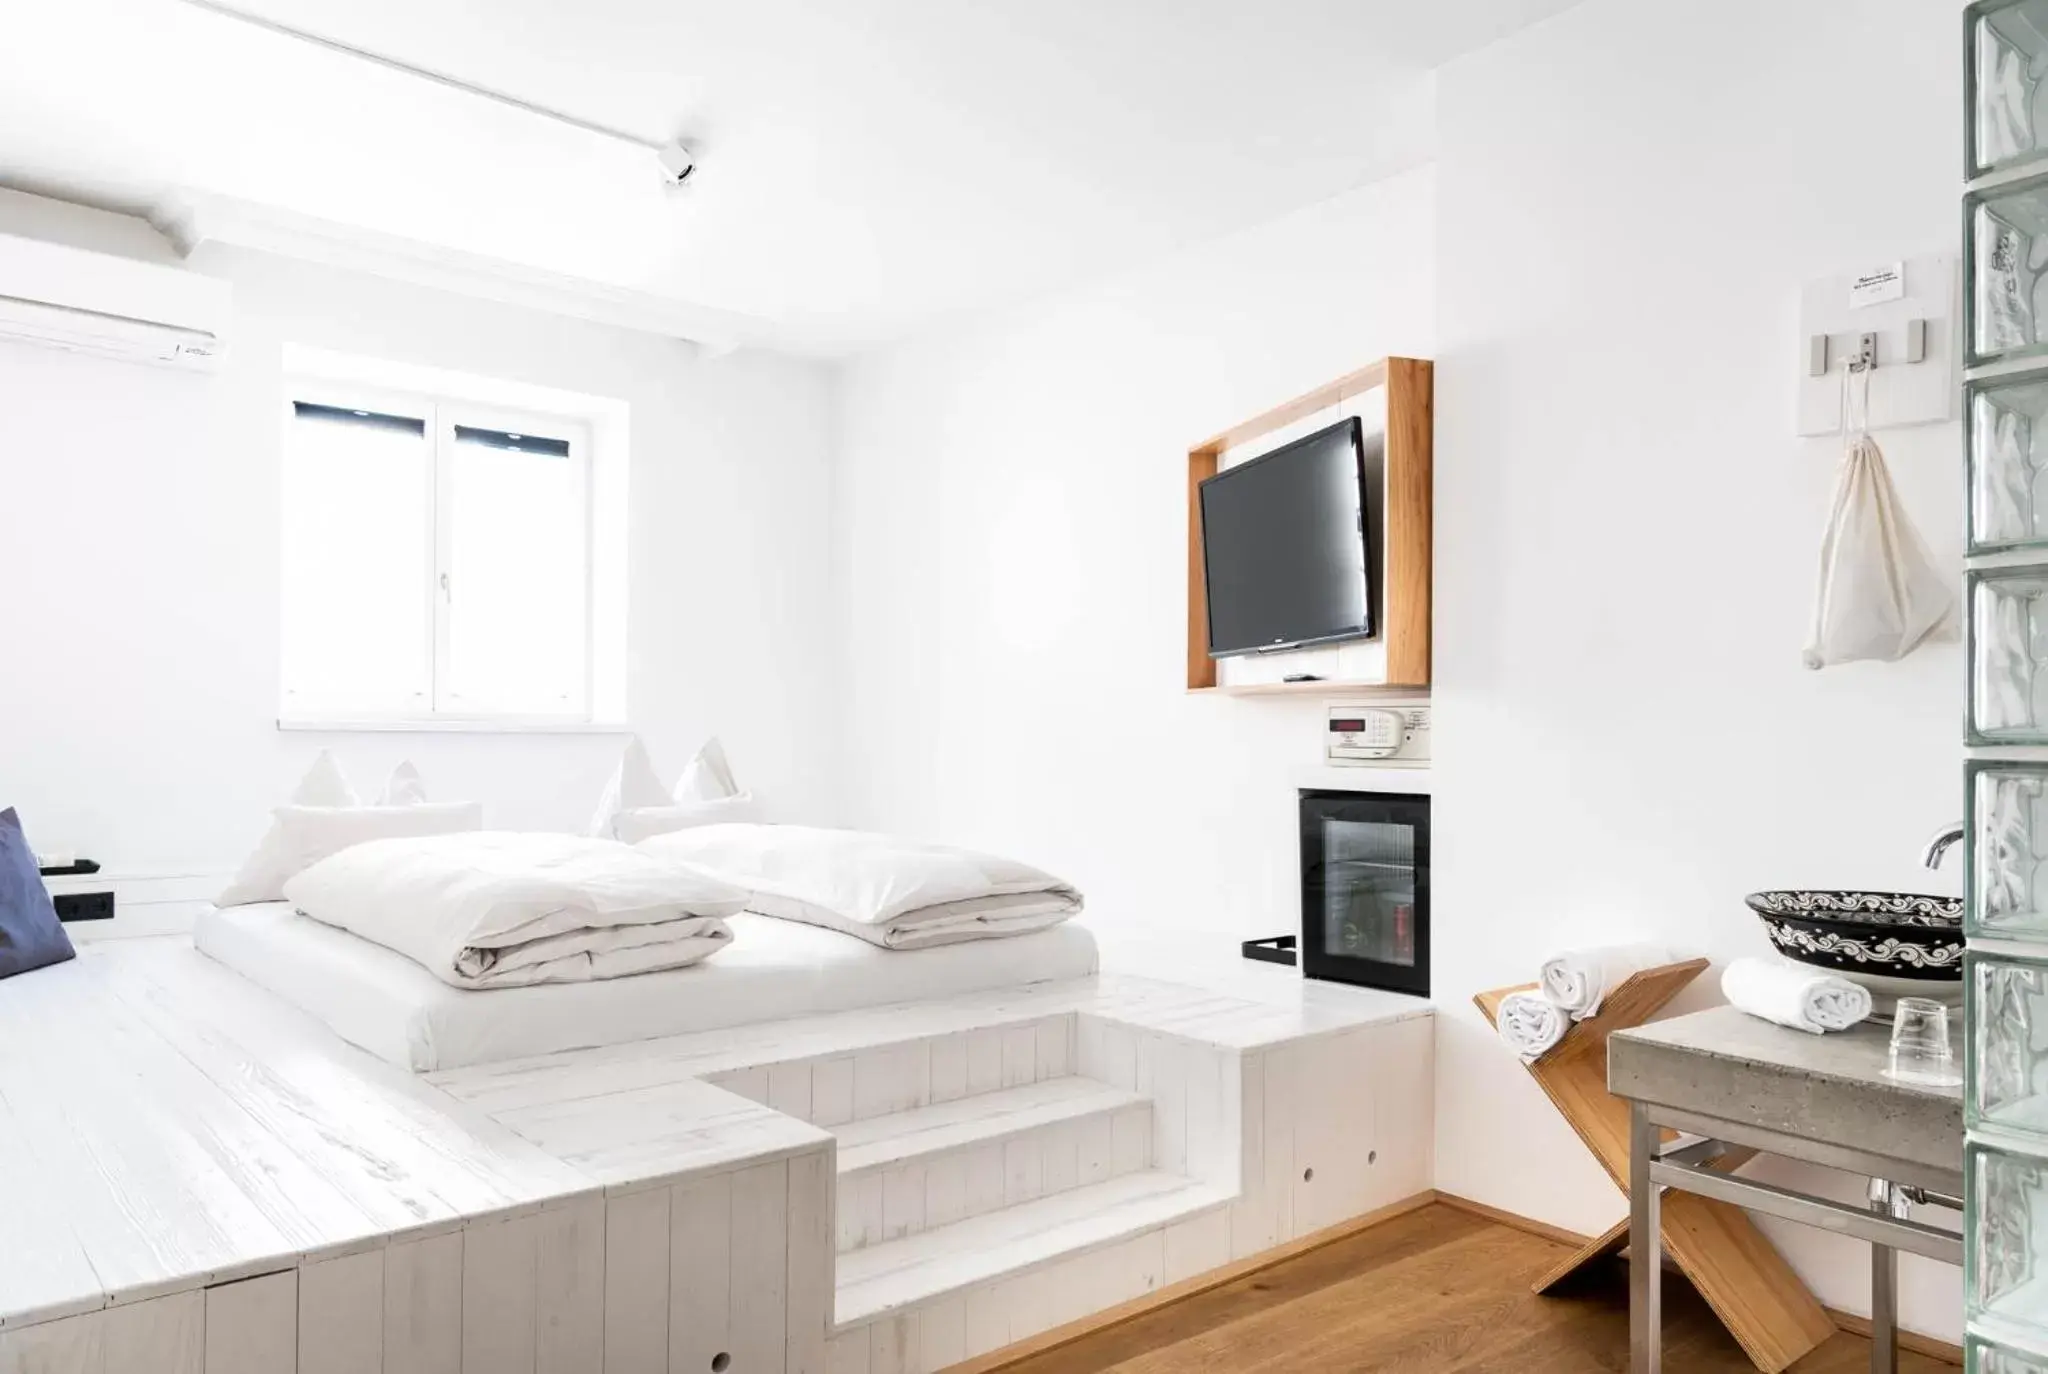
(896, 893)
(487, 910)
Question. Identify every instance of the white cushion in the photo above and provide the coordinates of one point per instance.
(404, 787)
(301, 836)
(636, 806)
(324, 785)
(707, 777)
(260, 876)
(633, 784)
(644, 822)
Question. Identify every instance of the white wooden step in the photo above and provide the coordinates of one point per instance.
(885, 1278)
(931, 1166)
(829, 1081)
(967, 1121)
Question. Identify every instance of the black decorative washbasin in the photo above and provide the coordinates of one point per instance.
(1896, 943)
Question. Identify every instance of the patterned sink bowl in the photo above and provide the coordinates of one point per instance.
(1897, 944)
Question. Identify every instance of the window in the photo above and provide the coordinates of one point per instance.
(438, 561)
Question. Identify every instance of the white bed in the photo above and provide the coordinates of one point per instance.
(392, 1007)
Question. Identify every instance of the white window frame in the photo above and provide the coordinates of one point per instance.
(602, 483)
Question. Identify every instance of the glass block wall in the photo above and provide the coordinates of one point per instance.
(2005, 438)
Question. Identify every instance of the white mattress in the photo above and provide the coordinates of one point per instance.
(387, 1004)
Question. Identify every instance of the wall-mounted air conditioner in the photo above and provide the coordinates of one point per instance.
(55, 296)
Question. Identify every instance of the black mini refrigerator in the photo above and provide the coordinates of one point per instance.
(1365, 889)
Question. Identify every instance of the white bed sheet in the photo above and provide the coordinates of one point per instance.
(385, 1003)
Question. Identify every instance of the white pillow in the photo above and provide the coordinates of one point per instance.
(635, 805)
(646, 821)
(302, 836)
(634, 783)
(404, 787)
(323, 785)
(707, 777)
(262, 875)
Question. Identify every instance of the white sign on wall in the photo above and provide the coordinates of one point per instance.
(1880, 284)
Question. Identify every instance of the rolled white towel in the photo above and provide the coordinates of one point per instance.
(1531, 1025)
(1579, 980)
(1795, 995)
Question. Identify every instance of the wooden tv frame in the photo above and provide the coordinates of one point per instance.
(1405, 579)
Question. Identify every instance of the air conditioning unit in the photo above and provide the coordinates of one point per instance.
(55, 296)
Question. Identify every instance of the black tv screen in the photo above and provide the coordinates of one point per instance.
(1284, 548)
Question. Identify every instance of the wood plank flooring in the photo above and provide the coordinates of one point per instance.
(166, 1124)
(1436, 1290)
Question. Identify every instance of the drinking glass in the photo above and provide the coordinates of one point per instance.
(1920, 1048)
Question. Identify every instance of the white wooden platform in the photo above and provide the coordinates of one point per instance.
(196, 1177)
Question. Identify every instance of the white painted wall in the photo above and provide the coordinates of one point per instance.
(1629, 196)
(138, 540)
(1606, 262)
(1012, 562)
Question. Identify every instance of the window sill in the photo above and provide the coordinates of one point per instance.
(337, 725)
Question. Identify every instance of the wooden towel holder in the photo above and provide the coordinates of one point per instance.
(1742, 1276)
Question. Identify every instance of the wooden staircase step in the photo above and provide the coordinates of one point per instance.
(915, 1170)
(881, 1279)
(881, 1141)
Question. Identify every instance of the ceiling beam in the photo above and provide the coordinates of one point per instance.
(191, 219)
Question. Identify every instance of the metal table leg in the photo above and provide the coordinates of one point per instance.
(1645, 1247)
(1890, 1200)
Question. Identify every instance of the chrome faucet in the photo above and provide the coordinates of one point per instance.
(1938, 846)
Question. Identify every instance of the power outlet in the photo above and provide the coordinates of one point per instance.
(84, 906)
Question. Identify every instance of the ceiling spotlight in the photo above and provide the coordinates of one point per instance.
(677, 163)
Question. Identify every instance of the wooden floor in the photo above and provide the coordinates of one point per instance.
(1434, 1290)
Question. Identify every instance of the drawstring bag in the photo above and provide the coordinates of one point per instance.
(1879, 595)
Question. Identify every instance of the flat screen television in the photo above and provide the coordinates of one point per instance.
(1286, 556)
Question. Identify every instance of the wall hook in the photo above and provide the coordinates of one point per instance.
(1859, 352)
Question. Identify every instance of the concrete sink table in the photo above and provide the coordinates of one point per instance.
(1727, 1080)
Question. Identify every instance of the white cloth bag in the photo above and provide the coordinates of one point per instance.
(1880, 595)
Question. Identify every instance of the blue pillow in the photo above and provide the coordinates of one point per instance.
(30, 933)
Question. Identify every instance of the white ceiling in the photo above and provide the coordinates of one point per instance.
(865, 167)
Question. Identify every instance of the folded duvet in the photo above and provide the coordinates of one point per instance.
(488, 910)
(896, 893)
